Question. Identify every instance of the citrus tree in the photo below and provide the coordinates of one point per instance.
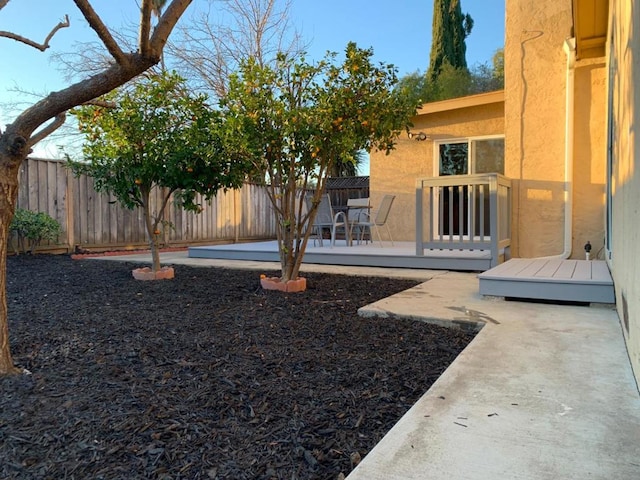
(294, 120)
(155, 140)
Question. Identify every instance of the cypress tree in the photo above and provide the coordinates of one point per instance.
(449, 30)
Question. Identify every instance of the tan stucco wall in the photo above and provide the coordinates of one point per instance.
(397, 173)
(625, 252)
(535, 131)
(534, 123)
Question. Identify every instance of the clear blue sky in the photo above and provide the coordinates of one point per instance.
(398, 31)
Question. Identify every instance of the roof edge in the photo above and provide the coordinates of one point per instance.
(462, 102)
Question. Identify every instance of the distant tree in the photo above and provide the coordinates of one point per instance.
(157, 138)
(294, 120)
(447, 75)
(210, 47)
(44, 117)
(452, 82)
(498, 67)
(455, 82)
(414, 87)
(348, 167)
(450, 28)
(487, 77)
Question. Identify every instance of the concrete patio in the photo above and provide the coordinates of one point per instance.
(543, 391)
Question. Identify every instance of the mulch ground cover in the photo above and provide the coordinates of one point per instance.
(206, 376)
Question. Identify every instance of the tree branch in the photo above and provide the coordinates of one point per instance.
(100, 103)
(95, 22)
(40, 46)
(115, 75)
(145, 27)
(58, 121)
(166, 23)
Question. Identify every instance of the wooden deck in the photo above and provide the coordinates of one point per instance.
(559, 280)
(400, 255)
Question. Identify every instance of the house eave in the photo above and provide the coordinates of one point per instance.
(590, 24)
(462, 102)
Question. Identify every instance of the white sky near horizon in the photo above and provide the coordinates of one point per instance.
(399, 33)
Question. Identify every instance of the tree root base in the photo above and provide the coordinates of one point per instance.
(291, 286)
(145, 273)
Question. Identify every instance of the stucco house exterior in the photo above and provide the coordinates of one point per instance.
(563, 130)
(476, 120)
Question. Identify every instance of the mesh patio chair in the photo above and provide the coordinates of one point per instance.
(378, 219)
(326, 218)
(357, 211)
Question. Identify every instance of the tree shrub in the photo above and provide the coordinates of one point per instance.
(31, 228)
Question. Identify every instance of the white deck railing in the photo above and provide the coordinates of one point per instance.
(464, 212)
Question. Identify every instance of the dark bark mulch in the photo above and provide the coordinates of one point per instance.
(206, 376)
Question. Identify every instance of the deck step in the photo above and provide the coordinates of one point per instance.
(550, 279)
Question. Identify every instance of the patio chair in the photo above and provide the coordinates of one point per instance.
(326, 218)
(357, 211)
(378, 219)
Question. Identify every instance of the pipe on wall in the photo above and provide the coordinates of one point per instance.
(570, 51)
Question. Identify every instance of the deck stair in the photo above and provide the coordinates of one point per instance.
(550, 279)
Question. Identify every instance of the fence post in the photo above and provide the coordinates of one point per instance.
(236, 215)
(70, 211)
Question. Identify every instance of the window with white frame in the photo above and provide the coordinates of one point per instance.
(469, 156)
(466, 157)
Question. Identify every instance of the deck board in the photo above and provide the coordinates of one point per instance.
(600, 271)
(550, 279)
(513, 266)
(583, 271)
(531, 269)
(566, 269)
(550, 268)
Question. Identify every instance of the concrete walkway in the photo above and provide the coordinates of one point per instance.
(542, 392)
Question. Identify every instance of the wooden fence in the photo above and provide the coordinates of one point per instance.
(92, 220)
(341, 189)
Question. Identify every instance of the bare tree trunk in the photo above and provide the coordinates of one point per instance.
(150, 227)
(8, 196)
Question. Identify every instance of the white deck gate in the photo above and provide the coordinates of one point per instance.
(464, 212)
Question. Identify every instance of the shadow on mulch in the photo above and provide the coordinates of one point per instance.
(206, 376)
